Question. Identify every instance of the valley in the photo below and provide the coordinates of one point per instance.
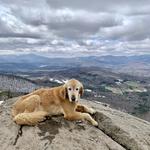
(121, 91)
(119, 81)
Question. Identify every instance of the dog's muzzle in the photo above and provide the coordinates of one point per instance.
(73, 98)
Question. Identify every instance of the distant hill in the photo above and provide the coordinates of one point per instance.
(16, 84)
(108, 59)
(134, 65)
(28, 58)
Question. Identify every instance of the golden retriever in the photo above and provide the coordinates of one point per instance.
(34, 107)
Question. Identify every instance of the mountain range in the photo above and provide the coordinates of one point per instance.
(134, 65)
(108, 59)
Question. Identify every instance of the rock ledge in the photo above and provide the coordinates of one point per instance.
(116, 131)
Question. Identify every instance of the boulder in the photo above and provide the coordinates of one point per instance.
(116, 131)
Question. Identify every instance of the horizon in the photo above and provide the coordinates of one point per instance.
(74, 28)
(34, 54)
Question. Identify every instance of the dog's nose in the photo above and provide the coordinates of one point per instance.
(73, 98)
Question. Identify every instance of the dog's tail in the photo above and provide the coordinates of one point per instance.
(30, 118)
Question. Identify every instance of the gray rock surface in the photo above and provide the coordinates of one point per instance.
(116, 131)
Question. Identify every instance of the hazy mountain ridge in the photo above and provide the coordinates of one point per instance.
(30, 58)
(134, 65)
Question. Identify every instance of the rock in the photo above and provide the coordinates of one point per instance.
(116, 131)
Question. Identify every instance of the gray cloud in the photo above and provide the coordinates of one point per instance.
(15, 35)
(75, 27)
(120, 6)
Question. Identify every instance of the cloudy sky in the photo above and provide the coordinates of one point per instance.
(75, 27)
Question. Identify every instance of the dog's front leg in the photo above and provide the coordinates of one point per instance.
(81, 116)
(83, 108)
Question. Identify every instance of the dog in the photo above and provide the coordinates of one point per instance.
(32, 108)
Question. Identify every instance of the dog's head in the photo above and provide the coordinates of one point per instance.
(72, 90)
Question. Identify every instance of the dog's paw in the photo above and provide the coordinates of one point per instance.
(92, 111)
(95, 123)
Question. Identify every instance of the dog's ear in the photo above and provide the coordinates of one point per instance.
(81, 90)
(63, 92)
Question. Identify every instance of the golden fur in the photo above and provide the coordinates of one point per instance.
(34, 107)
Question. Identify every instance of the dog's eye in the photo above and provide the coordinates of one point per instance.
(77, 89)
(69, 89)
